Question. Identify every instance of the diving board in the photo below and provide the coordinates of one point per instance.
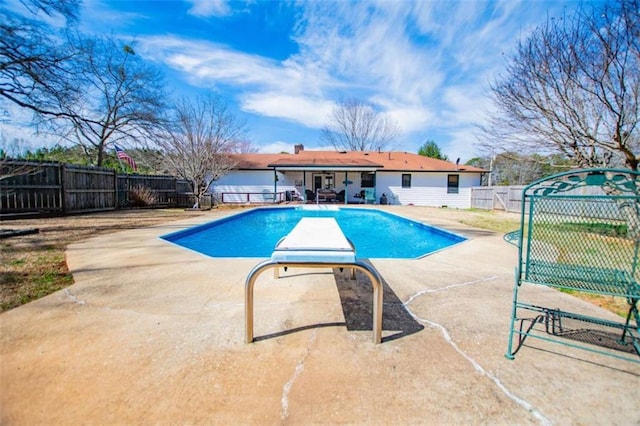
(315, 243)
(315, 239)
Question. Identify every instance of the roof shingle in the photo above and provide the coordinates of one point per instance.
(387, 161)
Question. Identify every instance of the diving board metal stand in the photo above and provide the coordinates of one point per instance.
(315, 243)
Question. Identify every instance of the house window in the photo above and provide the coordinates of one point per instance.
(323, 181)
(367, 180)
(406, 181)
(453, 183)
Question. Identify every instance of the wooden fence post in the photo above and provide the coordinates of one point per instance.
(61, 190)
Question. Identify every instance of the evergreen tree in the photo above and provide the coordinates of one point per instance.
(431, 149)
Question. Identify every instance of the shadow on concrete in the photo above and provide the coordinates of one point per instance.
(556, 351)
(356, 297)
(297, 329)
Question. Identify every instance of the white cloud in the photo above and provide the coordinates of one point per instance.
(208, 8)
(97, 15)
(307, 111)
(270, 88)
(411, 119)
(352, 49)
(209, 64)
(276, 147)
(205, 63)
(464, 104)
(17, 135)
(426, 64)
(461, 144)
(30, 10)
(367, 49)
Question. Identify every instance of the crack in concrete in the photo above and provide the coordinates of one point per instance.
(286, 389)
(448, 287)
(447, 337)
(73, 298)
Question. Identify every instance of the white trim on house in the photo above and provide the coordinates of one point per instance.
(427, 188)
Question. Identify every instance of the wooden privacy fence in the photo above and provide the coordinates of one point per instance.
(507, 198)
(30, 188)
(163, 190)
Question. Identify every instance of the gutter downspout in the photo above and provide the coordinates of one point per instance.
(304, 185)
(346, 187)
(275, 184)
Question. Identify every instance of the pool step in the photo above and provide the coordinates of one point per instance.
(317, 207)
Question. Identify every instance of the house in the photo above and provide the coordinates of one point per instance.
(351, 177)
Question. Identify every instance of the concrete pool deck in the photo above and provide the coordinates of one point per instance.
(151, 333)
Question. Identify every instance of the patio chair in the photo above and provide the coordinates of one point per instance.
(311, 196)
(369, 196)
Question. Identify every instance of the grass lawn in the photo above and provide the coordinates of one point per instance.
(491, 220)
(590, 243)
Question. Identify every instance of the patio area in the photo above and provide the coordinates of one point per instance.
(153, 333)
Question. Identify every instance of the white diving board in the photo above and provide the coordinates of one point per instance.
(315, 240)
(315, 243)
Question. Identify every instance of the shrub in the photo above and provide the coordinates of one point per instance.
(141, 196)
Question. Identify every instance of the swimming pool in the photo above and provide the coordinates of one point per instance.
(374, 233)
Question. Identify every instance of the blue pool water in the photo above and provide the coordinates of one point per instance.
(374, 233)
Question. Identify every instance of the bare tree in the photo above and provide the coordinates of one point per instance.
(200, 140)
(8, 167)
(246, 147)
(573, 87)
(13, 168)
(123, 99)
(355, 125)
(35, 58)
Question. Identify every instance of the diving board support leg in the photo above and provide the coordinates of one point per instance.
(276, 272)
(368, 270)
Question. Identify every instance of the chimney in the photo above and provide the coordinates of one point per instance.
(298, 147)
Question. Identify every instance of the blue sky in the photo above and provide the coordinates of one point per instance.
(282, 65)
